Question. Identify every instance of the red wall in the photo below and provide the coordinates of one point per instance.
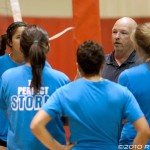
(63, 54)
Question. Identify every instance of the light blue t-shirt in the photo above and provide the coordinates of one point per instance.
(18, 99)
(5, 64)
(95, 111)
(137, 80)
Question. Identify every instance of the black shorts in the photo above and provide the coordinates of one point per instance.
(3, 143)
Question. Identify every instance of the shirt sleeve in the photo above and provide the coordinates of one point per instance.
(53, 105)
(2, 95)
(132, 110)
(123, 79)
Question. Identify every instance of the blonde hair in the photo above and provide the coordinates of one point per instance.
(142, 39)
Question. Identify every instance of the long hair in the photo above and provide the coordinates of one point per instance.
(34, 43)
(3, 39)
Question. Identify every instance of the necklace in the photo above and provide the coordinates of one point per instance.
(11, 58)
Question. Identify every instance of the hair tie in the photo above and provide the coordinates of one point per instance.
(35, 41)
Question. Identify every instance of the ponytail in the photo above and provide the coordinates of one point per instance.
(3, 42)
(34, 43)
(37, 59)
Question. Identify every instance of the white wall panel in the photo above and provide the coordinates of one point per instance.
(118, 8)
(40, 8)
(63, 8)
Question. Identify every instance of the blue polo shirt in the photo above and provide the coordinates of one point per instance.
(112, 70)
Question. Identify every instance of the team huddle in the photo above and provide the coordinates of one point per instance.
(106, 107)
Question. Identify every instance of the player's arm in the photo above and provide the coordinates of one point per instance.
(143, 133)
(38, 128)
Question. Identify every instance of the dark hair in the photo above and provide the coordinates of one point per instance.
(90, 57)
(3, 39)
(34, 43)
(142, 38)
(7, 38)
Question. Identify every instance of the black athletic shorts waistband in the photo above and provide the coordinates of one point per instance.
(3, 143)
